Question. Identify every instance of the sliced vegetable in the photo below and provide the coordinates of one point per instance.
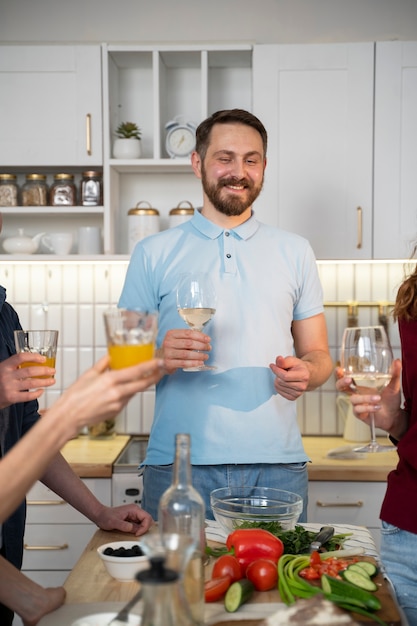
(351, 594)
(250, 544)
(215, 588)
(263, 574)
(227, 565)
(238, 593)
(363, 581)
(369, 568)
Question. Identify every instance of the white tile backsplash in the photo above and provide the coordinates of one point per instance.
(72, 297)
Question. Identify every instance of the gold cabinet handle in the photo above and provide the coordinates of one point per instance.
(64, 546)
(359, 226)
(357, 504)
(88, 133)
(45, 502)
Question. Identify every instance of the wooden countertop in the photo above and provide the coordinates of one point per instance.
(94, 458)
(372, 467)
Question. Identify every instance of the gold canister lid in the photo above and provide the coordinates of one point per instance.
(7, 176)
(91, 174)
(64, 177)
(182, 210)
(138, 210)
(35, 177)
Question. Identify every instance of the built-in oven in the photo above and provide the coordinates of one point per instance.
(127, 482)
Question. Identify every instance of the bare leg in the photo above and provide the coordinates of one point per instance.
(25, 597)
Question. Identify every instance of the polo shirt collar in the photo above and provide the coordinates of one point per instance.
(213, 231)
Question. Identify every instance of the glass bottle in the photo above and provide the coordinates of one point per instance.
(63, 191)
(163, 603)
(8, 190)
(182, 512)
(35, 190)
(91, 189)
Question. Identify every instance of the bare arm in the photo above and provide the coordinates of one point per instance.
(311, 366)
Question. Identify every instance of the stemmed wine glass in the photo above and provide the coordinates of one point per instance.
(366, 356)
(196, 303)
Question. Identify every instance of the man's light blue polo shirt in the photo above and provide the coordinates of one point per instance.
(264, 278)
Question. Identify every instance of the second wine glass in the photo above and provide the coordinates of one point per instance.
(196, 304)
(366, 356)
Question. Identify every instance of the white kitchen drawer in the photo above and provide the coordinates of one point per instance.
(55, 546)
(45, 506)
(342, 502)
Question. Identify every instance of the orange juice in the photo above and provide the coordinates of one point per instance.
(130, 354)
(50, 362)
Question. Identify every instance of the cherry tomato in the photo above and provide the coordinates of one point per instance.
(263, 574)
(215, 588)
(227, 565)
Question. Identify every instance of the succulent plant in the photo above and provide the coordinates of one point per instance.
(127, 130)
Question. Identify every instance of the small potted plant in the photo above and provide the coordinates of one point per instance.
(127, 142)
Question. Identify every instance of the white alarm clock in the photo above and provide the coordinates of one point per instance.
(180, 138)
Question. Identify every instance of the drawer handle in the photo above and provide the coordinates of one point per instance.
(357, 504)
(359, 226)
(46, 502)
(64, 546)
(88, 133)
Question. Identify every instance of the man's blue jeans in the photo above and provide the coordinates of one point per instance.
(292, 477)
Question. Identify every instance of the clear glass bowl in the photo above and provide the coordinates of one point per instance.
(235, 507)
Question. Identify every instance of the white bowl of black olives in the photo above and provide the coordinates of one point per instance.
(123, 559)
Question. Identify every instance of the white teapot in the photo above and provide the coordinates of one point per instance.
(22, 244)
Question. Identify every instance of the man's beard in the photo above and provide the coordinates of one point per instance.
(231, 204)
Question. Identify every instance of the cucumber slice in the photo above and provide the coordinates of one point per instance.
(360, 570)
(362, 581)
(238, 593)
(369, 568)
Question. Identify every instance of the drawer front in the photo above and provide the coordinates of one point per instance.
(345, 502)
(45, 506)
(55, 546)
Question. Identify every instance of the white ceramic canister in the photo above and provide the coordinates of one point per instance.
(180, 213)
(354, 429)
(142, 222)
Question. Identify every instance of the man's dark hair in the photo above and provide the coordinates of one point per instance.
(227, 116)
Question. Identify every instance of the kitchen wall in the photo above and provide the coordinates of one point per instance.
(265, 21)
(71, 296)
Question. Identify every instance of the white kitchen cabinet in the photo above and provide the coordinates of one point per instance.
(350, 502)
(152, 85)
(50, 108)
(56, 534)
(316, 102)
(395, 223)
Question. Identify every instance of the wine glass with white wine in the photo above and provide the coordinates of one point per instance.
(196, 304)
(366, 356)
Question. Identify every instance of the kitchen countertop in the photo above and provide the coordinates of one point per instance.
(369, 467)
(94, 458)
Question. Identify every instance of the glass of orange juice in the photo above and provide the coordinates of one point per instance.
(43, 342)
(131, 336)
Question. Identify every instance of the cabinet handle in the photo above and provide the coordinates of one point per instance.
(88, 133)
(359, 226)
(64, 546)
(357, 504)
(45, 502)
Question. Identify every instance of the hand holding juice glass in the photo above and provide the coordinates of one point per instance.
(131, 336)
(44, 342)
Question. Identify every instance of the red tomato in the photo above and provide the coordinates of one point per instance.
(227, 565)
(215, 588)
(263, 574)
(331, 566)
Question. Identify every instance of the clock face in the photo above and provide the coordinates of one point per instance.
(180, 141)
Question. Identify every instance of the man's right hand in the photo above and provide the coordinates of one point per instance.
(21, 384)
(184, 348)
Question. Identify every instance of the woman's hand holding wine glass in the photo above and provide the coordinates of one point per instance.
(196, 304)
(366, 357)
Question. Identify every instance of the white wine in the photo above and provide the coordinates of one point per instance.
(369, 383)
(196, 318)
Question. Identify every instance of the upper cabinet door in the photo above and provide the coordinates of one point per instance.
(316, 102)
(395, 202)
(50, 105)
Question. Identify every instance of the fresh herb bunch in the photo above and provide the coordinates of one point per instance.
(296, 541)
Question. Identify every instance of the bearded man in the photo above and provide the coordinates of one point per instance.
(267, 340)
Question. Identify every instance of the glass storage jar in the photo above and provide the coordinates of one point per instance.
(91, 189)
(9, 190)
(63, 191)
(35, 190)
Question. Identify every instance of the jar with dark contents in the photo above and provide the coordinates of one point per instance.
(63, 191)
(91, 189)
(9, 190)
(35, 190)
